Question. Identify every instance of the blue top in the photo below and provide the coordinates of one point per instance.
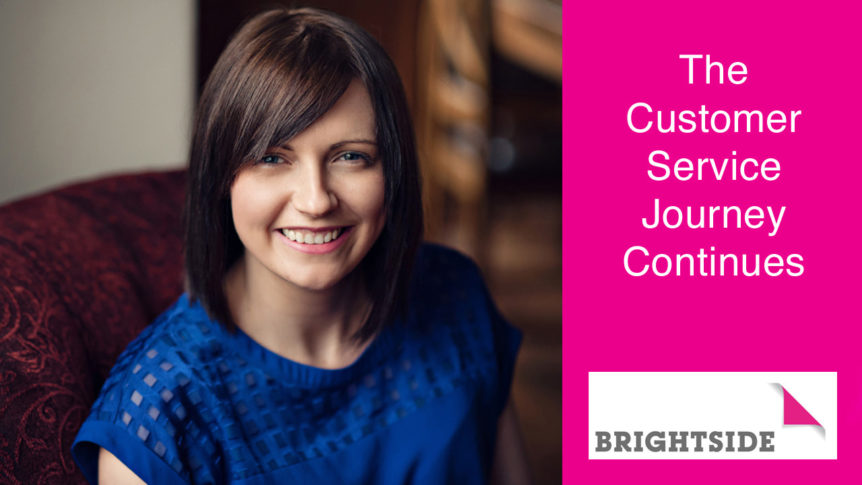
(189, 401)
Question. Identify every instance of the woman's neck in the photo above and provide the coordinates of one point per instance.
(312, 327)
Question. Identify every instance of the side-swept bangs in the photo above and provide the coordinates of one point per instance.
(281, 72)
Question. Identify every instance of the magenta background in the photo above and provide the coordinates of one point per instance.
(799, 56)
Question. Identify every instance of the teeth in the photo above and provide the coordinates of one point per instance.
(307, 237)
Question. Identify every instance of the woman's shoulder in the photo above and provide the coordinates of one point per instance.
(458, 326)
(449, 285)
(183, 336)
(433, 253)
(177, 355)
(447, 268)
(153, 394)
(450, 303)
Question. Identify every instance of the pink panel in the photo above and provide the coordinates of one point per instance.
(799, 57)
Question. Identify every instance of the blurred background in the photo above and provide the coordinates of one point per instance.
(95, 87)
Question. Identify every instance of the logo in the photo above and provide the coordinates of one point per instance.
(713, 415)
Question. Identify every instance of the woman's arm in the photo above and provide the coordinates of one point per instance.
(510, 459)
(112, 470)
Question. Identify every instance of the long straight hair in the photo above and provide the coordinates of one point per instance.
(280, 72)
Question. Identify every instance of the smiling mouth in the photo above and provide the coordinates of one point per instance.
(313, 237)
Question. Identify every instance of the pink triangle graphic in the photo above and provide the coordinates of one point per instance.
(794, 413)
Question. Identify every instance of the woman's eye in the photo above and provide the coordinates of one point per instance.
(270, 159)
(354, 157)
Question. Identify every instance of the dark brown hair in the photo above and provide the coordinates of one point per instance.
(281, 72)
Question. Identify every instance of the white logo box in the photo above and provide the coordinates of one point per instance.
(743, 403)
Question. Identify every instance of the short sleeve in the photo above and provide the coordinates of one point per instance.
(504, 339)
(144, 417)
(491, 340)
(507, 342)
(131, 420)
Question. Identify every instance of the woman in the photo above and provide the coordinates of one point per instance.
(318, 342)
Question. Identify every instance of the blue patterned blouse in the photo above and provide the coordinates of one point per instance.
(189, 401)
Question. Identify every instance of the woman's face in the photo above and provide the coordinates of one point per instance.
(310, 210)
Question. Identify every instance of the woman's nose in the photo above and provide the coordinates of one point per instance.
(313, 196)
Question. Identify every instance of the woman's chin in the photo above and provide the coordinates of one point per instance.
(316, 283)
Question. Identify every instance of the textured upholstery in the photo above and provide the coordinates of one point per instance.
(83, 269)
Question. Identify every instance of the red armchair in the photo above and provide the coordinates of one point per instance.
(83, 269)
